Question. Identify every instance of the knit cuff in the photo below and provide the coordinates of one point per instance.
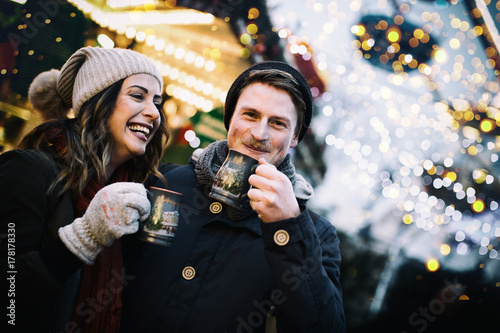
(80, 241)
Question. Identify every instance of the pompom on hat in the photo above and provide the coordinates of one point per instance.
(87, 72)
(234, 91)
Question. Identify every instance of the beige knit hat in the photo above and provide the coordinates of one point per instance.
(87, 72)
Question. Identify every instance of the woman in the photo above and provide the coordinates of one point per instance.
(73, 188)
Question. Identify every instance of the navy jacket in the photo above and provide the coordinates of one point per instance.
(225, 276)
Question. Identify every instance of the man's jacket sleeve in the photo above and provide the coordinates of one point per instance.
(304, 261)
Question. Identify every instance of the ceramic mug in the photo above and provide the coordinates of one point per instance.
(231, 181)
(161, 225)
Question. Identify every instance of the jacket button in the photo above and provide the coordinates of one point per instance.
(215, 207)
(188, 273)
(281, 237)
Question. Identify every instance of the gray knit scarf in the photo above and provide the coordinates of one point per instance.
(211, 159)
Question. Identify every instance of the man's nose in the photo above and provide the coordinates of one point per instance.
(260, 131)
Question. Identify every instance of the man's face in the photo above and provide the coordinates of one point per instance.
(263, 123)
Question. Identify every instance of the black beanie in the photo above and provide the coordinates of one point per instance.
(304, 88)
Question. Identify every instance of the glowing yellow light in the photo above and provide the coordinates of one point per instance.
(445, 249)
(469, 115)
(463, 298)
(487, 125)
(366, 45)
(149, 6)
(253, 13)
(252, 28)
(478, 206)
(432, 170)
(472, 150)
(245, 53)
(358, 30)
(393, 35)
(245, 39)
(451, 176)
(407, 219)
(215, 54)
(394, 48)
(432, 265)
(418, 33)
(396, 65)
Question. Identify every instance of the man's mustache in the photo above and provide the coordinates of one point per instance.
(259, 145)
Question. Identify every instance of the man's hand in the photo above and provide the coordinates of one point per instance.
(271, 195)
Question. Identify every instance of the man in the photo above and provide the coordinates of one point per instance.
(269, 265)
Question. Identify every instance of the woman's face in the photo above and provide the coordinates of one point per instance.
(135, 117)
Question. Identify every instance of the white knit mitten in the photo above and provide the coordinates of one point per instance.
(114, 211)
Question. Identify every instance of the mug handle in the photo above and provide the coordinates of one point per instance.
(149, 194)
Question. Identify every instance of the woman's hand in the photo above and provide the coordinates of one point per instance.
(114, 211)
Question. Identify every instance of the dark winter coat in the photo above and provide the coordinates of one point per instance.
(225, 276)
(39, 267)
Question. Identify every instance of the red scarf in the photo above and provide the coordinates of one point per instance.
(98, 304)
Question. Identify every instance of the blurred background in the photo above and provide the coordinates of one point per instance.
(404, 144)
